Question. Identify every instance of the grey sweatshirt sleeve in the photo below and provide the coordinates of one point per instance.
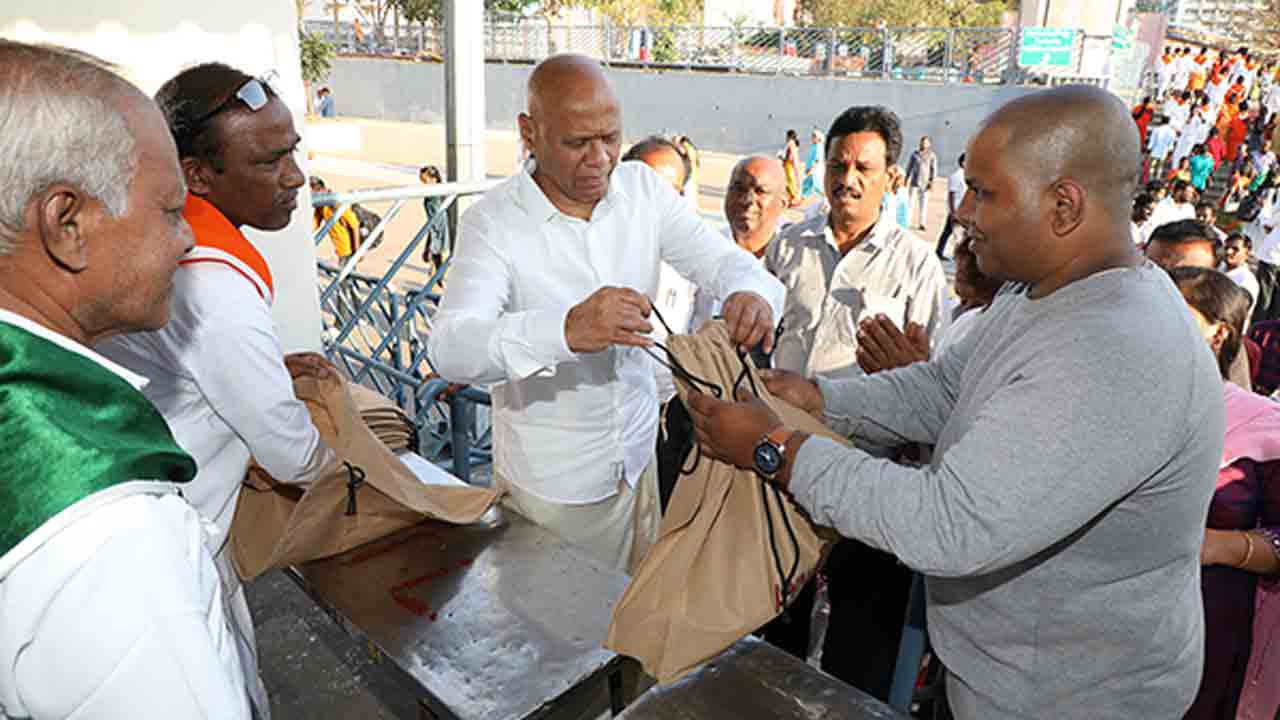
(905, 405)
(1041, 458)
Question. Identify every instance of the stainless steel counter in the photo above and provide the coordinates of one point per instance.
(496, 622)
(753, 679)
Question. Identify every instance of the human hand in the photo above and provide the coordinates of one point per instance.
(610, 316)
(730, 431)
(258, 479)
(795, 389)
(749, 319)
(882, 346)
(1221, 547)
(308, 363)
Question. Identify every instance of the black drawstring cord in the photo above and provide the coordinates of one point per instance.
(678, 370)
(355, 478)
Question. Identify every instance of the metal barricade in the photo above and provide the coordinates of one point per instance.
(985, 55)
(375, 326)
(982, 55)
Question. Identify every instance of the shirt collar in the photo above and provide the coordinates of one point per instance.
(881, 236)
(534, 201)
(137, 381)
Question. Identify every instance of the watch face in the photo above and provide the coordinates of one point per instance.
(767, 458)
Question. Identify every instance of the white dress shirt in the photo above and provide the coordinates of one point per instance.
(567, 427)
(1167, 211)
(890, 271)
(217, 375)
(1245, 278)
(956, 188)
(113, 608)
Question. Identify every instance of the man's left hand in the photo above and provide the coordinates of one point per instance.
(749, 319)
(730, 431)
(308, 363)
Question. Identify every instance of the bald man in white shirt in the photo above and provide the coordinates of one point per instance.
(549, 301)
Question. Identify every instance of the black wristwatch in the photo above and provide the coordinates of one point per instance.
(771, 452)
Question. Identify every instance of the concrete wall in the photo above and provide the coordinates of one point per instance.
(152, 40)
(724, 113)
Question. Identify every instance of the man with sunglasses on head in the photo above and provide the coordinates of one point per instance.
(217, 372)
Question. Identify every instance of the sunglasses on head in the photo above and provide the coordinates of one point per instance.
(254, 93)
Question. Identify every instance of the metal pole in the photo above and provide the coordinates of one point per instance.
(782, 49)
(949, 56)
(464, 94)
(831, 52)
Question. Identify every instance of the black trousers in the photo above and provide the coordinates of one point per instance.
(868, 590)
(946, 235)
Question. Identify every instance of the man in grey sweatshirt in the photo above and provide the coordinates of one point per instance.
(1078, 432)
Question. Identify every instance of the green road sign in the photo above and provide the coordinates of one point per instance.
(1047, 47)
(1122, 38)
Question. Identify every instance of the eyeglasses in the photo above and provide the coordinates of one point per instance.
(254, 93)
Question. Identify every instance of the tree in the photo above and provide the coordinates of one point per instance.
(1265, 18)
(902, 13)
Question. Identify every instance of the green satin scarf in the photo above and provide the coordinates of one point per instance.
(69, 428)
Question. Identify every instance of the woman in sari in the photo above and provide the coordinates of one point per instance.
(791, 166)
(1240, 557)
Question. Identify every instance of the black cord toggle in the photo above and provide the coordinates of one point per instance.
(355, 478)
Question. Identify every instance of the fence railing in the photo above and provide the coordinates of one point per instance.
(969, 55)
(375, 327)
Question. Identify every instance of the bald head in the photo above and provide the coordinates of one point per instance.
(568, 80)
(754, 200)
(1051, 176)
(664, 157)
(1079, 132)
(573, 128)
(762, 168)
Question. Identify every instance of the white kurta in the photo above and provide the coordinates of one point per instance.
(113, 609)
(217, 375)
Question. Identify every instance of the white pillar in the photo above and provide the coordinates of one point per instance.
(152, 40)
(464, 89)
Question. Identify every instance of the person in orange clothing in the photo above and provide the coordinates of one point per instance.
(1237, 132)
(1143, 112)
(1199, 71)
(1230, 104)
(345, 233)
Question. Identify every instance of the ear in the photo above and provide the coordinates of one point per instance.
(1067, 214)
(197, 173)
(528, 128)
(64, 217)
(1220, 333)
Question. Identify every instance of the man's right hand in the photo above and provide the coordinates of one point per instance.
(796, 390)
(611, 316)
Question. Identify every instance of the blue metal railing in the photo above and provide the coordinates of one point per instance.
(375, 327)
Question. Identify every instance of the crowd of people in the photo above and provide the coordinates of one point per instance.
(1211, 130)
(1068, 448)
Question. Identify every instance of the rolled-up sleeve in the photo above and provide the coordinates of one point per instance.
(475, 339)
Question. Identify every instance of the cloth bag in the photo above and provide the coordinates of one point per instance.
(371, 494)
(729, 542)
